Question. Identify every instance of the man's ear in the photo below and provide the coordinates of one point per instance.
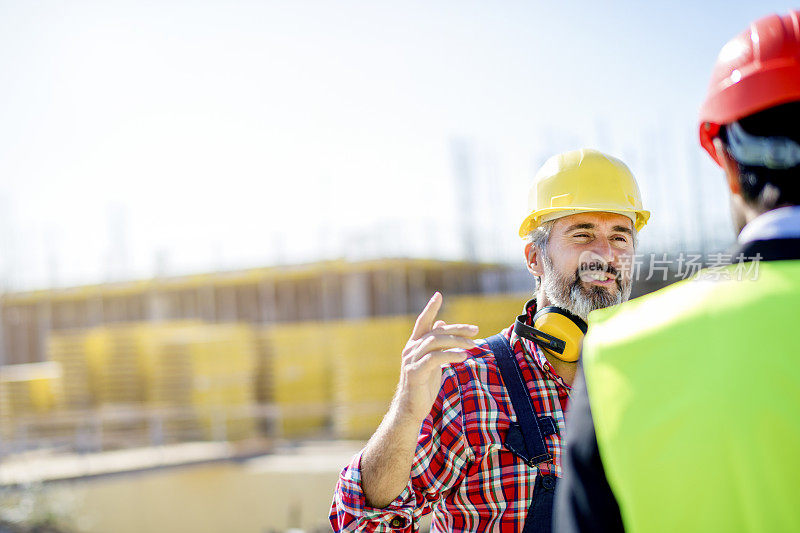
(533, 260)
(729, 166)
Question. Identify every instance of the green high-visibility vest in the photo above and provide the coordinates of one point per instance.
(695, 396)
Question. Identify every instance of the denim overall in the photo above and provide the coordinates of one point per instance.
(526, 438)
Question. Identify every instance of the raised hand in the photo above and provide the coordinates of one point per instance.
(432, 344)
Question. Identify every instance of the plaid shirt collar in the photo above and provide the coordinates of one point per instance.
(533, 353)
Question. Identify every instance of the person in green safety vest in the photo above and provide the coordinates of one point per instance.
(687, 417)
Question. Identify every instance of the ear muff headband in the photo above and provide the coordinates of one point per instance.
(555, 330)
(563, 312)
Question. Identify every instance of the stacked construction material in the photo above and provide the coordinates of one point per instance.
(200, 380)
(170, 380)
(201, 375)
(264, 379)
(104, 365)
(70, 350)
(367, 356)
(28, 393)
(197, 376)
(117, 356)
(302, 365)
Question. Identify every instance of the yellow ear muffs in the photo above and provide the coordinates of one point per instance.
(555, 330)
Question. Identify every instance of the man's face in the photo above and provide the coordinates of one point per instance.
(588, 262)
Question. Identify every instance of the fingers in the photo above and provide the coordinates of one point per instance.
(438, 358)
(444, 342)
(416, 350)
(462, 330)
(424, 322)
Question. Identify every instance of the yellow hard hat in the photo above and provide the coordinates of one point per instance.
(580, 181)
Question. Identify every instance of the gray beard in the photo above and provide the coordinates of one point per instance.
(570, 294)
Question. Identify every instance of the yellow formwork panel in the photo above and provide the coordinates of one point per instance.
(97, 354)
(116, 356)
(168, 368)
(70, 351)
(31, 389)
(264, 375)
(106, 365)
(201, 369)
(224, 381)
(209, 368)
(367, 356)
(302, 359)
(491, 313)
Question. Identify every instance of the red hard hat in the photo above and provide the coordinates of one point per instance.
(756, 70)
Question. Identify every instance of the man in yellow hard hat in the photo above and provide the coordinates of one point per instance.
(694, 390)
(475, 430)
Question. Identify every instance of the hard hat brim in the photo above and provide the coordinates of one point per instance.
(533, 220)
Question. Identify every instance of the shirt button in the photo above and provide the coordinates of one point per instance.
(398, 521)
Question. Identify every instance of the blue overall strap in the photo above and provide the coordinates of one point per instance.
(520, 400)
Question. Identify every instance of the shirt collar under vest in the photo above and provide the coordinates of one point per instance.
(781, 223)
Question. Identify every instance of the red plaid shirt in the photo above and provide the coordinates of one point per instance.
(461, 470)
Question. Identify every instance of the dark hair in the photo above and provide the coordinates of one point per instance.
(768, 188)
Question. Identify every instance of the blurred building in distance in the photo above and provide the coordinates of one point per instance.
(298, 351)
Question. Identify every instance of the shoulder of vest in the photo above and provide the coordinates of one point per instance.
(692, 301)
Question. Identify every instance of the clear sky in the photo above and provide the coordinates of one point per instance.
(193, 136)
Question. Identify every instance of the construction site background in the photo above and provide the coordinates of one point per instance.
(200, 390)
(218, 221)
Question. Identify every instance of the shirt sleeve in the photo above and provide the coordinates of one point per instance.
(584, 500)
(439, 466)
